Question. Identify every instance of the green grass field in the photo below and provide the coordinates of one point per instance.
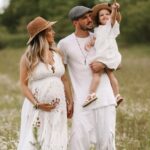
(133, 117)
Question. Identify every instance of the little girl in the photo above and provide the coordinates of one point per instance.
(106, 18)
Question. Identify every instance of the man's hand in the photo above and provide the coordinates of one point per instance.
(97, 67)
(70, 109)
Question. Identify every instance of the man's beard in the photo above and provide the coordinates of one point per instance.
(86, 28)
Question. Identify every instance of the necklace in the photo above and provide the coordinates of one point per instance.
(51, 61)
(84, 55)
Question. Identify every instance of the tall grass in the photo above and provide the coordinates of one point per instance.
(10, 98)
(133, 117)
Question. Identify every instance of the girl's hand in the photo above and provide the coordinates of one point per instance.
(90, 44)
(115, 5)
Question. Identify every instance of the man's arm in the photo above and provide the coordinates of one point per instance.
(67, 84)
(97, 67)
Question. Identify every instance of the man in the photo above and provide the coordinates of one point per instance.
(96, 122)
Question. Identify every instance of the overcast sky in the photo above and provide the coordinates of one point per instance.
(3, 3)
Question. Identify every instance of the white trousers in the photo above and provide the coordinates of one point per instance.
(96, 126)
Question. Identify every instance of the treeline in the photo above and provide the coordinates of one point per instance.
(134, 25)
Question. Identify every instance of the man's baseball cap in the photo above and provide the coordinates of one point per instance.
(78, 11)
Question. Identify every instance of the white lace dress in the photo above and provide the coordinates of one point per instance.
(41, 130)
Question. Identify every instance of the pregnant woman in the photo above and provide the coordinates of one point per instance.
(46, 90)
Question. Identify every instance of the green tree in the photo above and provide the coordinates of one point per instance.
(135, 26)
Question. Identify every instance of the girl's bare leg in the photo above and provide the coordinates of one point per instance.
(113, 81)
(115, 86)
(93, 87)
(95, 82)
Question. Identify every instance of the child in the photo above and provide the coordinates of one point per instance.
(106, 18)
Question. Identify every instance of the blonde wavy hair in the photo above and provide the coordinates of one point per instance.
(36, 50)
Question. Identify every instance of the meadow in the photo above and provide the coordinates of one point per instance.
(133, 117)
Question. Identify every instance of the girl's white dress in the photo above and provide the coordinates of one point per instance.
(106, 46)
(49, 127)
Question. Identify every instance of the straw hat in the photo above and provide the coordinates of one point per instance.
(101, 6)
(37, 25)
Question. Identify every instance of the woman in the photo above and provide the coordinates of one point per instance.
(43, 82)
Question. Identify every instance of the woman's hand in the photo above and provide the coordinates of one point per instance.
(48, 106)
(70, 109)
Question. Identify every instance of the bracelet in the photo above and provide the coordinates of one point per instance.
(36, 106)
